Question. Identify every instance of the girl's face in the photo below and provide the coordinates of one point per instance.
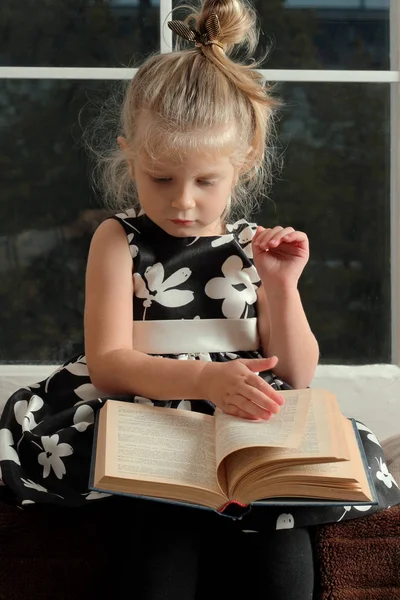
(185, 198)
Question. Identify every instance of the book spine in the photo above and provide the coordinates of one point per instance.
(230, 503)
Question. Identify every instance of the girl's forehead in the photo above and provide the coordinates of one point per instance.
(193, 161)
(164, 143)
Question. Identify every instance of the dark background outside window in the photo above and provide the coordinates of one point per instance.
(333, 137)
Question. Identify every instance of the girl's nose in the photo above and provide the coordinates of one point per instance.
(183, 198)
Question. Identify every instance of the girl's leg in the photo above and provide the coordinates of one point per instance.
(163, 561)
(280, 564)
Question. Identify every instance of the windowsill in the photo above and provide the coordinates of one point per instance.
(369, 393)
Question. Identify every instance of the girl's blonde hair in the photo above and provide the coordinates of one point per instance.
(197, 99)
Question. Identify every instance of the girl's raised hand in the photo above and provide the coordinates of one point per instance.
(280, 254)
(237, 389)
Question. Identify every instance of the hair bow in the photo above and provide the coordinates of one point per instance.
(209, 37)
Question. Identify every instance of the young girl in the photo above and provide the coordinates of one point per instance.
(184, 309)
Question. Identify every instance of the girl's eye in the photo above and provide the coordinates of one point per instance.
(161, 179)
(205, 182)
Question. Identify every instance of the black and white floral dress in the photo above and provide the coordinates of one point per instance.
(194, 299)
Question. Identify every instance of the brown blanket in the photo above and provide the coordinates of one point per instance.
(360, 559)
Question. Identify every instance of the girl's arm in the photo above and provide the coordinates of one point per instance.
(284, 332)
(114, 366)
(280, 255)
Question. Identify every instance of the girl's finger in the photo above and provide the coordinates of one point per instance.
(264, 387)
(256, 409)
(295, 236)
(241, 414)
(272, 237)
(259, 364)
(261, 399)
(280, 236)
(258, 233)
(263, 238)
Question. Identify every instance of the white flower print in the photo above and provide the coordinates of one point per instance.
(32, 485)
(23, 412)
(87, 392)
(184, 405)
(96, 495)
(83, 417)
(371, 436)
(6, 443)
(130, 213)
(35, 486)
(28, 502)
(384, 475)
(133, 249)
(236, 287)
(244, 238)
(234, 226)
(143, 400)
(285, 521)
(159, 290)
(223, 239)
(204, 356)
(51, 457)
(361, 508)
(196, 239)
(249, 531)
(78, 367)
(1, 477)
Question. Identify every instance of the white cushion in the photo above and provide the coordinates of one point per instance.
(391, 448)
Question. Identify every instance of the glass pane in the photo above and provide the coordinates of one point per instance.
(78, 33)
(335, 186)
(47, 216)
(325, 34)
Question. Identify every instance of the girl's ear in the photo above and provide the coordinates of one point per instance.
(123, 144)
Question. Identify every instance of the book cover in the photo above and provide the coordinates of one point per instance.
(235, 509)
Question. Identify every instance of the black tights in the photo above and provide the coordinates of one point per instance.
(202, 557)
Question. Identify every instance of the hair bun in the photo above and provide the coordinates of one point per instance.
(237, 19)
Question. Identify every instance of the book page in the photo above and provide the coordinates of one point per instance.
(320, 443)
(160, 445)
(284, 429)
(346, 480)
(352, 470)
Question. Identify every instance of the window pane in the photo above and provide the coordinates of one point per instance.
(78, 33)
(335, 186)
(326, 34)
(47, 215)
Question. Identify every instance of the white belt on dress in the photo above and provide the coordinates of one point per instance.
(195, 336)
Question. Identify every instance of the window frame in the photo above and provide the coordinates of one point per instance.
(11, 375)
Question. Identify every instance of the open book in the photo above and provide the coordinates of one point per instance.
(307, 451)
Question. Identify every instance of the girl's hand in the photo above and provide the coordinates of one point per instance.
(236, 388)
(280, 254)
